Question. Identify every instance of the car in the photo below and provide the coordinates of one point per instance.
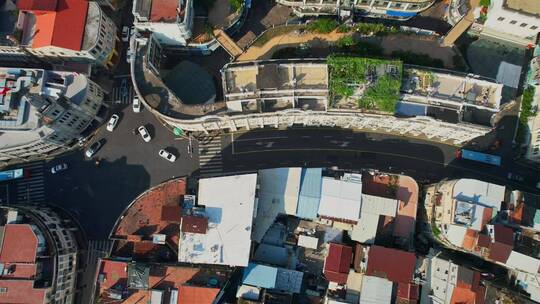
(515, 177)
(167, 155)
(59, 168)
(125, 34)
(92, 150)
(144, 134)
(112, 122)
(136, 105)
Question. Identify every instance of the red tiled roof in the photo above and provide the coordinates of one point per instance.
(407, 291)
(171, 213)
(36, 5)
(517, 214)
(196, 295)
(462, 295)
(499, 252)
(52, 27)
(469, 240)
(20, 271)
(194, 224)
(338, 263)
(393, 264)
(21, 291)
(164, 10)
(114, 272)
(484, 241)
(504, 234)
(19, 244)
(486, 217)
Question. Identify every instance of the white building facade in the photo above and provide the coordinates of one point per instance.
(44, 112)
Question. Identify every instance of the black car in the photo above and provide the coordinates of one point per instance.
(94, 148)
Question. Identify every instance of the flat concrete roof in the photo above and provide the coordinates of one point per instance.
(527, 6)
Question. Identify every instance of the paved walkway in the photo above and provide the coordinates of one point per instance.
(227, 43)
(291, 39)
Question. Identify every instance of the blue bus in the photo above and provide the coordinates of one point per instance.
(485, 158)
(11, 174)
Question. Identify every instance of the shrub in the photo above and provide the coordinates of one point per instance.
(236, 4)
(526, 112)
(323, 26)
(485, 2)
(345, 42)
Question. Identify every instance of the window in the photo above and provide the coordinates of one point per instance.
(523, 25)
(3, 289)
(513, 22)
(500, 19)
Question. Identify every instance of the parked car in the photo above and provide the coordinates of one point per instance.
(167, 155)
(125, 34)
(92, 150)
(515, 177)
(112, 122)
(144, 134)
(136, 105)
(59, 168)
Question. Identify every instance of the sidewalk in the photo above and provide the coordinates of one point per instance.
(291, 39)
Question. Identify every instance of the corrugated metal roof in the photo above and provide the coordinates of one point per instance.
(376, 290)
(379, 205)
(338, 263)
(523, 262)
(340, 199)
(270, 254)
(260, 275)
(310, 193)
(396, 265)
(308, 241)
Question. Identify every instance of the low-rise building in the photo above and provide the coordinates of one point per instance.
(169, 21)
(118, 281)
(474, 217)
(515, 21)
(42, 32)
(40, 256)
(395, 9)
(45, 112)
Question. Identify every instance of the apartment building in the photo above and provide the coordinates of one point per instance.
(44, 112)
(60, 31)
(396, 9)
(515, 21)
(39, 256)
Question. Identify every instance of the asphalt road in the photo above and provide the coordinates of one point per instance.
(425, 161)
(128, 166)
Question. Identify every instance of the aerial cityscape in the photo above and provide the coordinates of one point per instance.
(269, 151)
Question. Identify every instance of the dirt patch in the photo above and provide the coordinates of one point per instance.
(420, 45)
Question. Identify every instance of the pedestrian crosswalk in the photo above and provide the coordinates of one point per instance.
(210, 161)
(98, 249)
(121, 95)
(31, 188)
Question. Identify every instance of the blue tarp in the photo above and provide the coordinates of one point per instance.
(409, 109)
(400, 14)
(260, 275)
(310, 193)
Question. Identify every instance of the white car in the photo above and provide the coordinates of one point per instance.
(144, 134)
(168, 156)
(125, 34)
(136, 105)
(112, 122)
(59, 168)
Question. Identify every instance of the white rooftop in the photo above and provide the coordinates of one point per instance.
(308, 241)
(523, 262)
(378, 205)
(455, 234)
(230, 204)
(479, 192)
(340, 199)
(366, 228)
(376, 290)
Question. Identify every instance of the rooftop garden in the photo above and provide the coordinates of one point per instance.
(373, 84)
(526, 112)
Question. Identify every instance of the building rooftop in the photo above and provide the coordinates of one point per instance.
(376, 290)
(395, 265)
(230, 219)
(310, 193)
(19, 244)
(144, 217)
(19, 291)
(49, 27)
(526, 6)
(430, 87)
(118, 280)
(479, 192)
(337, 263)
(340, 199)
